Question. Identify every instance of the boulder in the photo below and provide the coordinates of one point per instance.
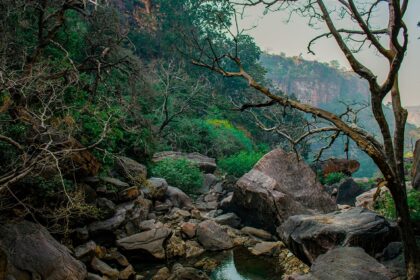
(189, 229)
(103, 268)
(85, 251)
(114, 182)
(179, 198)
(256, 232)
(150, 241)
(133, 171)
(128, 194)
(193, 249)
(309, 236)
(337, 165)
(267, 248)
(213, 237)
(415, 171)
(347, 191)
(156, 188)
(209, 181)
(30, 252)
(206, 164)
(229, 219)
(346, 263)
(279, 186)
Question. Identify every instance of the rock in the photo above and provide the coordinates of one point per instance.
(335, 165)
(348, 263)
(366, 199)
(150, 241)
(104, 269)
(259, 233)
(309, 236)
(415, 171)
(189, 229)
(279, 186)
(162, 274)
(393, 250)
(206, 164)
(92, 276)
(85, 251)
(209, 181)
(156, 188)
(30, 252)
(115, 182)
(89, 193)
(267, 248)
(128, 194)
(347, 191)
(114, 255)
(149, 224)
(178, 214)
(213, 237)
(133, 171)
(106, 206)
(163, 206)
(180, 272)
(175, 247)
(179, 198)
(207, 264)
(226, 202)
(290, 264)
(193, 249)
(81, 235)
(229, 219)
(127, 273)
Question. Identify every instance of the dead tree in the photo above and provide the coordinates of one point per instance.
(388, 153)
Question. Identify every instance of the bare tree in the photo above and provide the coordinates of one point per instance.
(388, 153)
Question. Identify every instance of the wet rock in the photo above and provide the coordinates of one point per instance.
(156, 188)
(193, 249)
(309, 236)
(259, 233)
(180, 272)
(30, 252)
(133, 171)
(229, 219)
(179, 198)
(189, 229)
(347, 191)
(348, 263)
(206, 164)
(175, 247)
(213, 237)
(99, 266)
(150, 241)
(85, 251)
(279, 186)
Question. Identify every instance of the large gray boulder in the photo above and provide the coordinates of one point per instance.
(346, 263)
(28, 251)
(346, 191)
(309, 236)
(279, 186)
(150, 241)
(213, 237)
(206, 164)
(178, 198)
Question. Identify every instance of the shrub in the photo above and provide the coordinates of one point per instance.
(333, 178)
(240, 163)
(386, 207)
(179, 173)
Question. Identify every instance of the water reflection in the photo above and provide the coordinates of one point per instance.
(241, 265)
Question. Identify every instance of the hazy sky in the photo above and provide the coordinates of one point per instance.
(274, 35)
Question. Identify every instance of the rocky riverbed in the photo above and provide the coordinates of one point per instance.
(276, 221)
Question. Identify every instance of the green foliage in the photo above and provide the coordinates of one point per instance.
(332, 178)
(179, 173)
(385, 205)
(240, 163)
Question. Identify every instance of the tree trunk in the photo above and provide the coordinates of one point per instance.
(411, 250)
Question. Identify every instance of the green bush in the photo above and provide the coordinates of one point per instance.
(333, 178)
(179, 173)
(240, 163)
(386, 207)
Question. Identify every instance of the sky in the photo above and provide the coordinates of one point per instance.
(274, 35)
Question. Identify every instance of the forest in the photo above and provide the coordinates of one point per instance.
(155, 139)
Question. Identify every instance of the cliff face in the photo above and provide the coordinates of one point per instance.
(314, 83)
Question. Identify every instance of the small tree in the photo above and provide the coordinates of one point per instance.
(388, 153)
